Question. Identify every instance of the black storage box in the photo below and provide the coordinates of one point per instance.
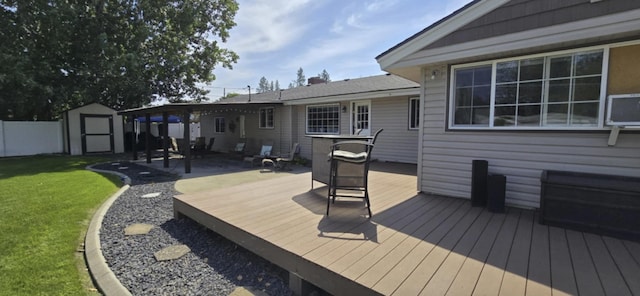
(603, 204)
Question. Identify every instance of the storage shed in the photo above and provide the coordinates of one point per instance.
(93, 129)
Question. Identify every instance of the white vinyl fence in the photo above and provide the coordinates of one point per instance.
(18, 138)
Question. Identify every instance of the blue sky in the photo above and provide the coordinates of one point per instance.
(276, 37)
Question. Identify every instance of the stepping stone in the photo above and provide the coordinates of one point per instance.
(152, 195)
(144, 173)
(123, 168)
(171, 252)
(137, 229)
(115, 163)
(247, 291)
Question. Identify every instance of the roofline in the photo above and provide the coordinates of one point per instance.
(437, 30)
(415, 90)
(182, 107)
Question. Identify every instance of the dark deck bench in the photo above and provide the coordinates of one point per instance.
(602, 204)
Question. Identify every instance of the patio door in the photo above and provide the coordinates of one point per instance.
(360, 118)
(96, 131)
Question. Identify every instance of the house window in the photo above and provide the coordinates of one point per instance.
(266, 118)
(219, 124)
(414, 113)
(541, 92)
(323, 119)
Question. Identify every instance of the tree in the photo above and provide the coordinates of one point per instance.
(263, 85)
(324, 75)
(229, 95)
(56, 54)
(300, 80)
(277, 86)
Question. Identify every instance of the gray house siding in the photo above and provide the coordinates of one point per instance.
(522, 15)
(396, 143)
(520, 155)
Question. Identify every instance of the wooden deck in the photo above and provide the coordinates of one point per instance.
(415, 244)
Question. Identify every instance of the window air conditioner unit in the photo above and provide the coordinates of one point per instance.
(623, 110)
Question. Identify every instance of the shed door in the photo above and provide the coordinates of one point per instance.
(97, 133)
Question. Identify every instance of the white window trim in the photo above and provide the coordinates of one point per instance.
(306, 119)
(409, 123)
(215, 125)
(493, 63)
(273, 114)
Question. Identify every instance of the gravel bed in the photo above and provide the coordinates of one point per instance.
(215, 266)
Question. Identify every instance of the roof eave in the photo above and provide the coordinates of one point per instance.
(356, 96)
(440, 29)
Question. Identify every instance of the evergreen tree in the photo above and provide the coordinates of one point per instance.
(263, 85)
(324, 75)
(300, 80)
(277, 86)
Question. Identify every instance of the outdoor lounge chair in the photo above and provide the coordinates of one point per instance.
(282, 162)
(238, 150)
(265, 152)
(339, 180)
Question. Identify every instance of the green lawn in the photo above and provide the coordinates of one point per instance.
(45, 205)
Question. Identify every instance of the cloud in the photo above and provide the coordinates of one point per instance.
(265, 26)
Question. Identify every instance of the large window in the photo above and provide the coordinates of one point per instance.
(414, 113)
(323, 119)
(219, 124)
(266, 118)
(553, 91)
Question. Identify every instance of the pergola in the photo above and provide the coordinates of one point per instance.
(184, 110)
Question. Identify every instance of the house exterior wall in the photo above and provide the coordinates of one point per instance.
(254, 135)
(75, 137)
(522, 15)
(223, 141)
(519, 155)
(396, 143)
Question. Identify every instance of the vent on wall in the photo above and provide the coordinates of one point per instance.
(623, 110)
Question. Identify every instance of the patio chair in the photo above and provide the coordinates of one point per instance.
(347, 183)
(238, 150)
(210, 146)
(199, 147)
(265, 152)
(282, 162)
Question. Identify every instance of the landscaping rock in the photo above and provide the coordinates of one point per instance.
(247, 291)
(171, 252)
(138, 229)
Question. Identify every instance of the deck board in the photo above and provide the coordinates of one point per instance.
(585, 271)
(628, 266)
(612, 281)
(562, 276)
(492, 273)
(465, 280)
(414, 243)
(538, 276)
